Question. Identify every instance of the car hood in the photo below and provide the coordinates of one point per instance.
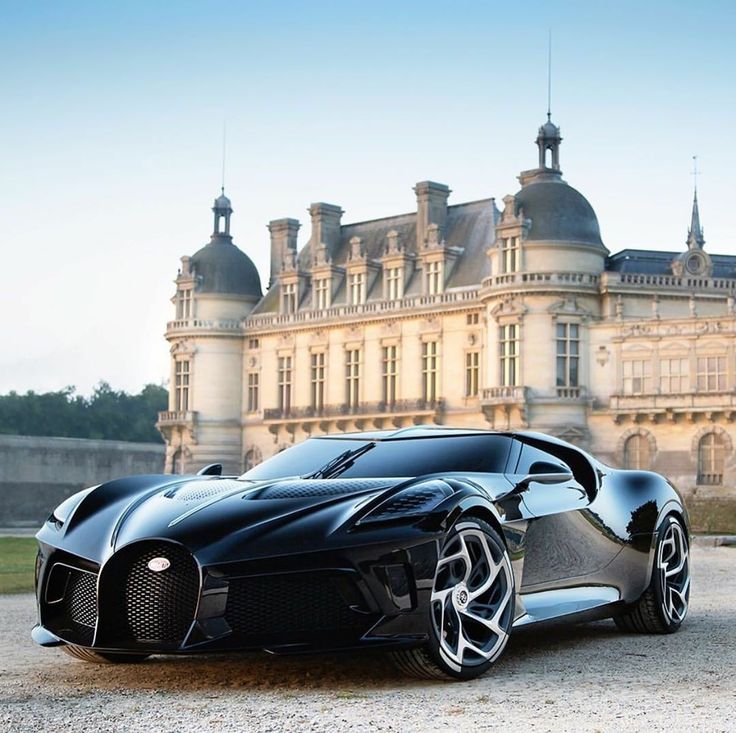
(215, 517)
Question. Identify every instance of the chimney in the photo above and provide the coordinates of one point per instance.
(431, 207)
(325, 226)
(283, 241)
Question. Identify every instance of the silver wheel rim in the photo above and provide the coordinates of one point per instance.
(471, 599)
(673, 562)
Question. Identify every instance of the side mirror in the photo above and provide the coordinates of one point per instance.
(559, 477)
(213, 469)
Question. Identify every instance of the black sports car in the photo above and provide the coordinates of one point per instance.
(433, 543)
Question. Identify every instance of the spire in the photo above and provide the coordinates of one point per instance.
(695, 239)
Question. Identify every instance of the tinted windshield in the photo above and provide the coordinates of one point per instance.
(405, 457)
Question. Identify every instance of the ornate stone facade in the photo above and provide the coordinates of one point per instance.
(467, 315)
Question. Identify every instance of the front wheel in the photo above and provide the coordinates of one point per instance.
(663, 606)
(471, 606)
(87, 655)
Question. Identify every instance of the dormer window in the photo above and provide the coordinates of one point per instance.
(395, 283)
(434, 277)
(288, 298)
(357, 288)
(322, 293)
(184, 304)
(509, 255)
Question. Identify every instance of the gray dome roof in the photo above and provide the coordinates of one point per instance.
(549, 129)
(222, 268)
(222, 202)
(558, 213)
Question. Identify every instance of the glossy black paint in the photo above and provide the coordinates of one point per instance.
(580, 548)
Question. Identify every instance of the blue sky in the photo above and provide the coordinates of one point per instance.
(112, 127)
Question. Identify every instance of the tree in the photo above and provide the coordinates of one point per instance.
(108, 414)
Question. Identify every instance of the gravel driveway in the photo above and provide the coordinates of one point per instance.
(584, 678)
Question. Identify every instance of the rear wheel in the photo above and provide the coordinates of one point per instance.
(663, 606)
(471, 606)
(87, 655)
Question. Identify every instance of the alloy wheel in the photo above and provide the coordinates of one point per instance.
(472, 599)
(673, 563)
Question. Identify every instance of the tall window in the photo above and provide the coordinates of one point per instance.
(253, 387)
(322, 293)
(184, 304)
(508, 347)
(636, 453)
(510, 254)
(357, 288)
(430, 364)
(318, 380)
(434, 277)
(637, 376)
(394, 283)
(568, 354)
(472, 373)
(284, 383)
(711, 373)
(181, 386)
(711, 459)
(352, 377)
(674, 376)
(288, 296)
(390, 368)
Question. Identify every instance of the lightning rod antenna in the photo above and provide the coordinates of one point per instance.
(549, 75)
(224, 142)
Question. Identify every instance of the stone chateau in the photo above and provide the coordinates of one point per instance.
(477, 314)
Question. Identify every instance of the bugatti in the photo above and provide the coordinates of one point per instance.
(434, 544)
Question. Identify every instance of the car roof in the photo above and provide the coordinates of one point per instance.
(420, 431)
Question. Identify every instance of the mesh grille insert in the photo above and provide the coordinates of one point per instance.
(201, 490)
(147, 606)
(311, 487)
(274, 606)
(74, 615)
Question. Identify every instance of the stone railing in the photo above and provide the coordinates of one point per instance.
(534, 279)
(363, 409)
(176, 417)
(570, 393)
(373, 308)
(205, 324)
(638, 280)
(503, 395)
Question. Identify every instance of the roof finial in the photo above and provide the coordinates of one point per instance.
(549, 75)
(695, 174)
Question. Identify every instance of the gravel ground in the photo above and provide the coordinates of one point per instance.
(582, 678)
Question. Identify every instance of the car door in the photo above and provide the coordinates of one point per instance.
(561, 541)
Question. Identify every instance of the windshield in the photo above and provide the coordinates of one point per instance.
(405, 457)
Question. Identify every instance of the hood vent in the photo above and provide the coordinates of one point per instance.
(201, 490)
(310, 487)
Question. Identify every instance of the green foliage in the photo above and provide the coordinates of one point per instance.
(106, 415)
(17, 558)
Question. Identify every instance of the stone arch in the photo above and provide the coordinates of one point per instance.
(636, 433)
(711, 449)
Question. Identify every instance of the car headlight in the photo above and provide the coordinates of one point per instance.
(65, 509)
(410, 502)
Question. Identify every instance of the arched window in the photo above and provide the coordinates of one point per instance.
(637, 454)
(711, 458)
(177, 462)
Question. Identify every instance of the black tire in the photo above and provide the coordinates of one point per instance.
(453, 616)
(663, 605)
(87, 655)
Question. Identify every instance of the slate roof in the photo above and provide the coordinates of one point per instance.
(223, 268)
(469, 226)
(649, 262)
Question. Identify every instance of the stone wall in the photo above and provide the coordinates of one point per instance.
(36, 473)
